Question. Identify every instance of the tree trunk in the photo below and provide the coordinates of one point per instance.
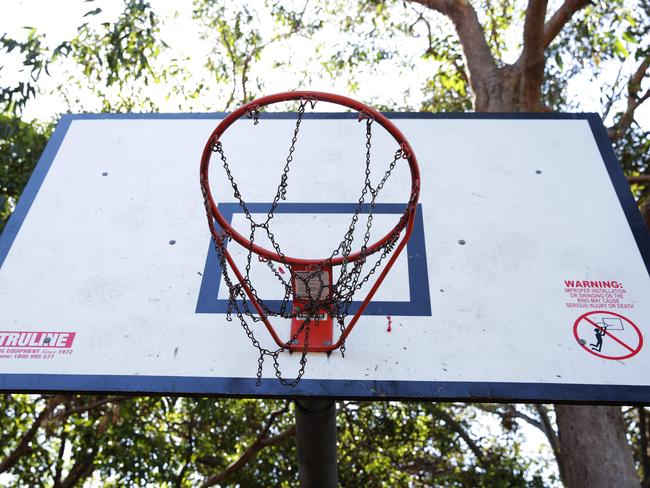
(497, 92)
(594, 451)
(593, 448)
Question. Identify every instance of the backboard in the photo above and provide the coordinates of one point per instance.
(526, 278)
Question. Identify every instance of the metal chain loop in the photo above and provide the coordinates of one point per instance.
(338, 297)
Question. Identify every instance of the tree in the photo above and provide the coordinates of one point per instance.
(116, 60)
(21, 144)
(492, 55)
(65, 440)
(499, 86)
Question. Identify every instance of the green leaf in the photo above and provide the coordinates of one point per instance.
(93, 12)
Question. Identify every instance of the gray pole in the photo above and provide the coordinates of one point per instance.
(316, 436)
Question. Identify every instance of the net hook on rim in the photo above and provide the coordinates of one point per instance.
(253, 112)
(406, 150)
(363, 115)
(311, 100)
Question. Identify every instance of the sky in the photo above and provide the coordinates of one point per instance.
(59, 21)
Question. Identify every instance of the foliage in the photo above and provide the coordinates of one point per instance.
(425, 444)
(182, 441)
(34, 61)
(633, 151)
(111, 65)
(117, 53)
(588, 47)
(21, 144)
(117, 58)
(238, 40)
(638, 424)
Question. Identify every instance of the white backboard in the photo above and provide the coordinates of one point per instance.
(526, 277)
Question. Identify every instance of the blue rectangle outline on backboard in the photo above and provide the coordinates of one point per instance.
(340, 389)
(418, 304)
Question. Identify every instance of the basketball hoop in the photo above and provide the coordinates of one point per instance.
(317, 299)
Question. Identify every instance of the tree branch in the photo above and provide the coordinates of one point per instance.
(559, 19)
(553, 438)
(616, 93)
(480, 62)
(286, 35)
(633, 101)
(260, 443)
(548, 430)
(285, 434)
(233, 62)
(421, 18)
(84, 407)
(254, 52)
(458, 428)
(23, 446)
(638, 179)
(248, 455)
(59, 462)
(84, 464)
(531, 60)
(509, 412)
(81, 469)
(188, 454)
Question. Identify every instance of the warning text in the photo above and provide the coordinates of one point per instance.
(592, 294)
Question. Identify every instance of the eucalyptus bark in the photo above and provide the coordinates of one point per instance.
(594, 450)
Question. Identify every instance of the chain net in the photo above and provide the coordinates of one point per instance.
(314, 283)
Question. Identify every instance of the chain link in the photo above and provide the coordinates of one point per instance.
(337, 298)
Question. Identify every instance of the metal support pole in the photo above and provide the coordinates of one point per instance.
(316, 436)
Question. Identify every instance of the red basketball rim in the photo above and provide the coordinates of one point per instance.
(364, 110)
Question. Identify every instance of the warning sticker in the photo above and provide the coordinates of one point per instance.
(608, 335)
(590, 294)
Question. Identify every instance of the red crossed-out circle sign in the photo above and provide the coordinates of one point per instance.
(620, 337)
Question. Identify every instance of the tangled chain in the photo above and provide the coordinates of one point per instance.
(337, 298)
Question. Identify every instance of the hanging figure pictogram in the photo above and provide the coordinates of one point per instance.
(599, 338)
(608, 335)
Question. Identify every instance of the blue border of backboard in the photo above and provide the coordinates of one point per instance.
(418, 304)
(339, 389)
